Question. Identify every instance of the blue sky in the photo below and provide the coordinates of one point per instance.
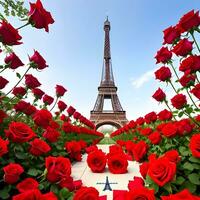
(74, 48)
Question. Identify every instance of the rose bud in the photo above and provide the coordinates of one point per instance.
(187, 80)
(38, 60)
(159, 95)
(3, 82)
(38, 93)
(13, 61)
(8, 34)
(48, 100)
(163, 74)
(179, 101)
(196, 91)
(71, 110)
(171, 34)
(31, 82)
(39, 17)
(60, 90)
(61, 105)
(163, 55)
(19, 91)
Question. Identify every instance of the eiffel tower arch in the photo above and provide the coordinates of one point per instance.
(108, 90)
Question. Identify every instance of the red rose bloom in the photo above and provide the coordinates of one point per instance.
(13, 61)
(48, 100)
(38, 93)
(196, 91)
(39, 17)
(150, 117)
(96, 160)
(117, 163)
(38, 60)
(3, 82)
(139, 150)
(163, 74)
(76, 115)
(179, 101)
(163, 55)
(86, 193)
(173, 156)
(57, 168)
(31, 82)
(165, 115)
(195, 145)
(140, 193)
(183, 48)
(155, 138)
(169, 130)
(91, 149)
(159, 95)
(74, 149)
(183, 195)
(19, 91)
(188, 21)
(39, 147)
(8, 34)
(146, 131)
(27, 184)
(30, 110)
(184, 127)
(144, 169)
(71, 110)
(138, 182)
(60, 90)
(191, 64)
(19, 132)
(12, 172)
(140, 121)
(62, 105)
(171, 34)
(3, 146)
(21, 106)
(187, 80)
(42, 118)
(162, 171)
(3, 115)
(51, 134)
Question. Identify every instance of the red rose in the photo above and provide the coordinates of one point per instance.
(91, 149)
(21, 106)
(3, 82)
(195, 145)
(71, 110)
(170, 130)
(183, 195)
(196, 91)
(187, 80)
(146, 131)
(144, 169)
(171, 34)
(8, 34)
(31, 82)
(173, 156)
(38, 93)
(42, 118)
(155, 138)
(86, 193)
(27, 184)
(76, 115)
(74, 149)
(19, 91)
(140, 121)
(191, 63)
(3, 146)
(13, 61)
(179, 101)
(188, 21)
(165, 115)
(96, 160)
(39, 17)
(12, 172)
(139, 150)
(38, 60)
(48, 100)
(163, 55)
(162, 171)
(3, 115)
(184, 126)
(159, 95)
(39, 147)
(57, 168)
(183, 47)
(163, 74)
(19, 132)
(51, 134)
(30, 110)
(60, 90)
(62, 105)
(117, 163)
(150, 117)
(137, 182)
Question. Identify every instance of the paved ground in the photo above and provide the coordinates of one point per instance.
(80, 170)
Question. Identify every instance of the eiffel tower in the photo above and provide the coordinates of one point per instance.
(108, 90)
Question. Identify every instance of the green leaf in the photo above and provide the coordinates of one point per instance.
(64, 193)
(32, 172)
(194, 178)
(194, 160)
(18, 75)
(180, 114)
(180, 180)
(21, 155)
(191, 187)
(54, 189)
(188, 166)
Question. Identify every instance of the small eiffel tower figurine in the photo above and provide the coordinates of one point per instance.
(107, 185)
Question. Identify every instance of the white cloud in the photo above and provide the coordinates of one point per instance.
(140, 81)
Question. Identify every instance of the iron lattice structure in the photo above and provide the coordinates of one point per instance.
(108, 90)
